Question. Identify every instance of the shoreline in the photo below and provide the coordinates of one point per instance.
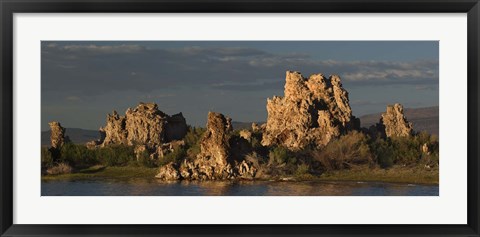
(398, 175)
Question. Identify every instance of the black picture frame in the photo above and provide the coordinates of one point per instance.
(9, 7)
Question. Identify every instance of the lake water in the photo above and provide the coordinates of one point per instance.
(230, 188)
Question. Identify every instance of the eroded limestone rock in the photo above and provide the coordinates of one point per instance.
(57, 135)
(246, 134)
(96, 143)
(145, 127)
(214, 162)
(395, 123)
(314, 110)
(425, 149)
(168, 172)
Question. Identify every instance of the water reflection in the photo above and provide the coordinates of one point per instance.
(147, 187)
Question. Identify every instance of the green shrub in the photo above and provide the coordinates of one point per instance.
(383, 152)
(144, 160)
(256, 143)
(177, 155)
(46, 158)
(116, 155)
(192, 142)
(349, 150)
(193, 151)
(77, 155)
(278, 155)
(405, 151)
(430, 160)
(302, 169)
(193, 136)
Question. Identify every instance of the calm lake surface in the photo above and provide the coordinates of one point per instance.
(230, 188)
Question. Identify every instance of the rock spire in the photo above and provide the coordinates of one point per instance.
(314, 110)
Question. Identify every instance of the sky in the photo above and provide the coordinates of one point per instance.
(83, 81)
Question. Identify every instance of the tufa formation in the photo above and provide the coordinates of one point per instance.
(57, 135)
(215, 161)
(314, 110)
(395, 122)
(145, 127)
(392, 123)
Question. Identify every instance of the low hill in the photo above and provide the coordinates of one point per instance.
(423, 119)
(77, 135)
(244, 125)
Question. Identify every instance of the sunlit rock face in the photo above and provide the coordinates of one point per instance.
(393, 122)
(57, 135)
(214, 145)
(145, 127)
(214, 162)
(313, 111)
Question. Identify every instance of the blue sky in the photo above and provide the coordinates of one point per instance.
(83, 81)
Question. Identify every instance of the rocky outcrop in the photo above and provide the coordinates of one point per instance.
(168, 172)
(314, 110)
(96, 143)
(258, 128)
(57, 135)
(425, 149)
(215, 144)
(176, 127)
(245, 134)
(393, 123)
(145, 127)
(214, 162)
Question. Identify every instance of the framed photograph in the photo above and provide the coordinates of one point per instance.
(252, 118)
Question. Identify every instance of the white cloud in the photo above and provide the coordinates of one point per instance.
(73, 98)
(124, 48)
(117, 67)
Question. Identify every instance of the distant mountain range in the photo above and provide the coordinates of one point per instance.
(423, 119)
(76, 135)
(244, 125)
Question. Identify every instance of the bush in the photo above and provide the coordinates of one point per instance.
(280, 155)
(116, 155)
(192, 141)
(349, 150)
(406, 150)
(383, 152)
(77, 155)
(62, 168)
(430, 160)
(193, 151)
(302, 169)
(144, 160)
(193, 136)
(46, 158)
(256, 144)
(177, 155)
